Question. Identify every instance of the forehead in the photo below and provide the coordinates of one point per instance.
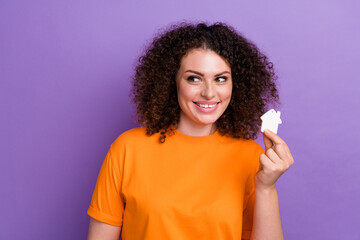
(203, 59)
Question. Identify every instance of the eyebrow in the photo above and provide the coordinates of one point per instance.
(203, 74)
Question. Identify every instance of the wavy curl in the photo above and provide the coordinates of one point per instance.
(154, 85)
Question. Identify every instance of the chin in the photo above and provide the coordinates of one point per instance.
(207, 121)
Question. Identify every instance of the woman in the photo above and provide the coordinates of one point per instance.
(192, 170)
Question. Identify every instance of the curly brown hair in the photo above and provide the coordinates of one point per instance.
(154, 87)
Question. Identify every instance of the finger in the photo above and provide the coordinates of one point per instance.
(281, 151)
(271, 154)
(273, 137)
(266, 162)
(267, 142)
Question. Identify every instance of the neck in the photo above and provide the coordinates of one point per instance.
(191, 128)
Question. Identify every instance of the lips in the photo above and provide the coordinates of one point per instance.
(206, 102)
(206, 109)
(208, 105)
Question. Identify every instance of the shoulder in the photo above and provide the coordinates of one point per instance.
(131, 135)
(248, 145)
(254, 152)
(134, 137)
(250, 149)
(255, 147)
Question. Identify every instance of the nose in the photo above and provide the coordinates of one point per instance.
(208, 90)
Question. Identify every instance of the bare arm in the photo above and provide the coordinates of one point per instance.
(99, 230)
(267, 222)
(276, 160)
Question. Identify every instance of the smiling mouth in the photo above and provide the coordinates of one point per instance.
(206, 105)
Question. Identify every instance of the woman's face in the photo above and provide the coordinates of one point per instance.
(204, 87)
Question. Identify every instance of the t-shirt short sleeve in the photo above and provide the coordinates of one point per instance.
(107, 203)
(248, 213)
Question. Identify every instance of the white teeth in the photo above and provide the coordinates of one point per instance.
(205, 105)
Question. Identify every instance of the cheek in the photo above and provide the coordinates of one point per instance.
(187, 93)
(226, 92)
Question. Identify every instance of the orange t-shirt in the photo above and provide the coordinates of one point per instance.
(185, 188)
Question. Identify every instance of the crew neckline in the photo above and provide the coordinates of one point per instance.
(197, 138)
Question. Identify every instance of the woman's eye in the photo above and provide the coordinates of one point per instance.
(222, 79)
(193, 79)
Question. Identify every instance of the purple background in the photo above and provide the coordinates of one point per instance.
(65, 69)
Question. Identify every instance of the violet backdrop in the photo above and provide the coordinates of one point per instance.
(65, 70)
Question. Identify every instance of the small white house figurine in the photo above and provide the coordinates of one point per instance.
(270, 120)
